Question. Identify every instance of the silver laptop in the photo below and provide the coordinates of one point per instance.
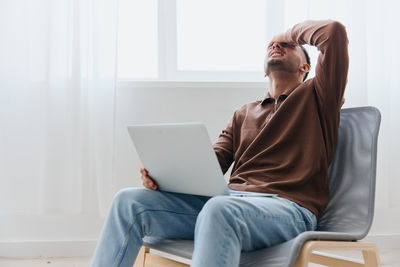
(179, 157)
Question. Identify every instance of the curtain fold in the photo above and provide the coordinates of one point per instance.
(57, 90)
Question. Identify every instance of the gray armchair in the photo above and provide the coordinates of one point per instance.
(347, 218)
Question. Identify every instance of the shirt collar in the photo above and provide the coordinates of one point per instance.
(269, 99)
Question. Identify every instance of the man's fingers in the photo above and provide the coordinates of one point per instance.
(143, 171)
(149, 183)
(146, 179)
(153, 186)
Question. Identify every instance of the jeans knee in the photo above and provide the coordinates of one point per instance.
(128, 197)
(218, 209)
(220, 216)
(123, 195)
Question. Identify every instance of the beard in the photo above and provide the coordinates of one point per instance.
(278, 65)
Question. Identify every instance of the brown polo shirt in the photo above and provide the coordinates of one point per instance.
(285, 145)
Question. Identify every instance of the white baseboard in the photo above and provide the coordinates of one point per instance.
(64, 248)
(385, 241)
(85, 248)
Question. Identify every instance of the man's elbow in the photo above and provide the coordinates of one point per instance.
(337, 30)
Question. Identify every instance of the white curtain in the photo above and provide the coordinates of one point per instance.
(57, 87)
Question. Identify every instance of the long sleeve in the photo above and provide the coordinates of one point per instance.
(223, 147)
(331, 71)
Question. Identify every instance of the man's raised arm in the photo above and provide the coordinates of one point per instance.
(330, 38)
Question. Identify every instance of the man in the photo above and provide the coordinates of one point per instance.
(282, 145)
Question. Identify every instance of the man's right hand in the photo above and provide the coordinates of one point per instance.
(148, 182)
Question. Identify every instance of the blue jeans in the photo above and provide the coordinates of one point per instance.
(221, 226)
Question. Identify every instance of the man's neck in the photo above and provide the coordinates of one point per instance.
(279, 84)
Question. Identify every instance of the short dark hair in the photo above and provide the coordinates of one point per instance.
(307, 60)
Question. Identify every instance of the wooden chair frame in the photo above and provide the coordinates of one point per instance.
(310, 252)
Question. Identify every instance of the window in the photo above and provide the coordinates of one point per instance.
(138, 39)
(192, 40)
(222, 35)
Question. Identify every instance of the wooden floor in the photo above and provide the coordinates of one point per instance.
(389, 258)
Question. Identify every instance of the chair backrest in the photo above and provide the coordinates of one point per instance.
(352, 174)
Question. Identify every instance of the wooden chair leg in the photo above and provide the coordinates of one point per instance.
(371, 256)
(304, 257)
(369, 250)
(141, 257)
(147, 259)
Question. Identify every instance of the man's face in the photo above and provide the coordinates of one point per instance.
(283, 57)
